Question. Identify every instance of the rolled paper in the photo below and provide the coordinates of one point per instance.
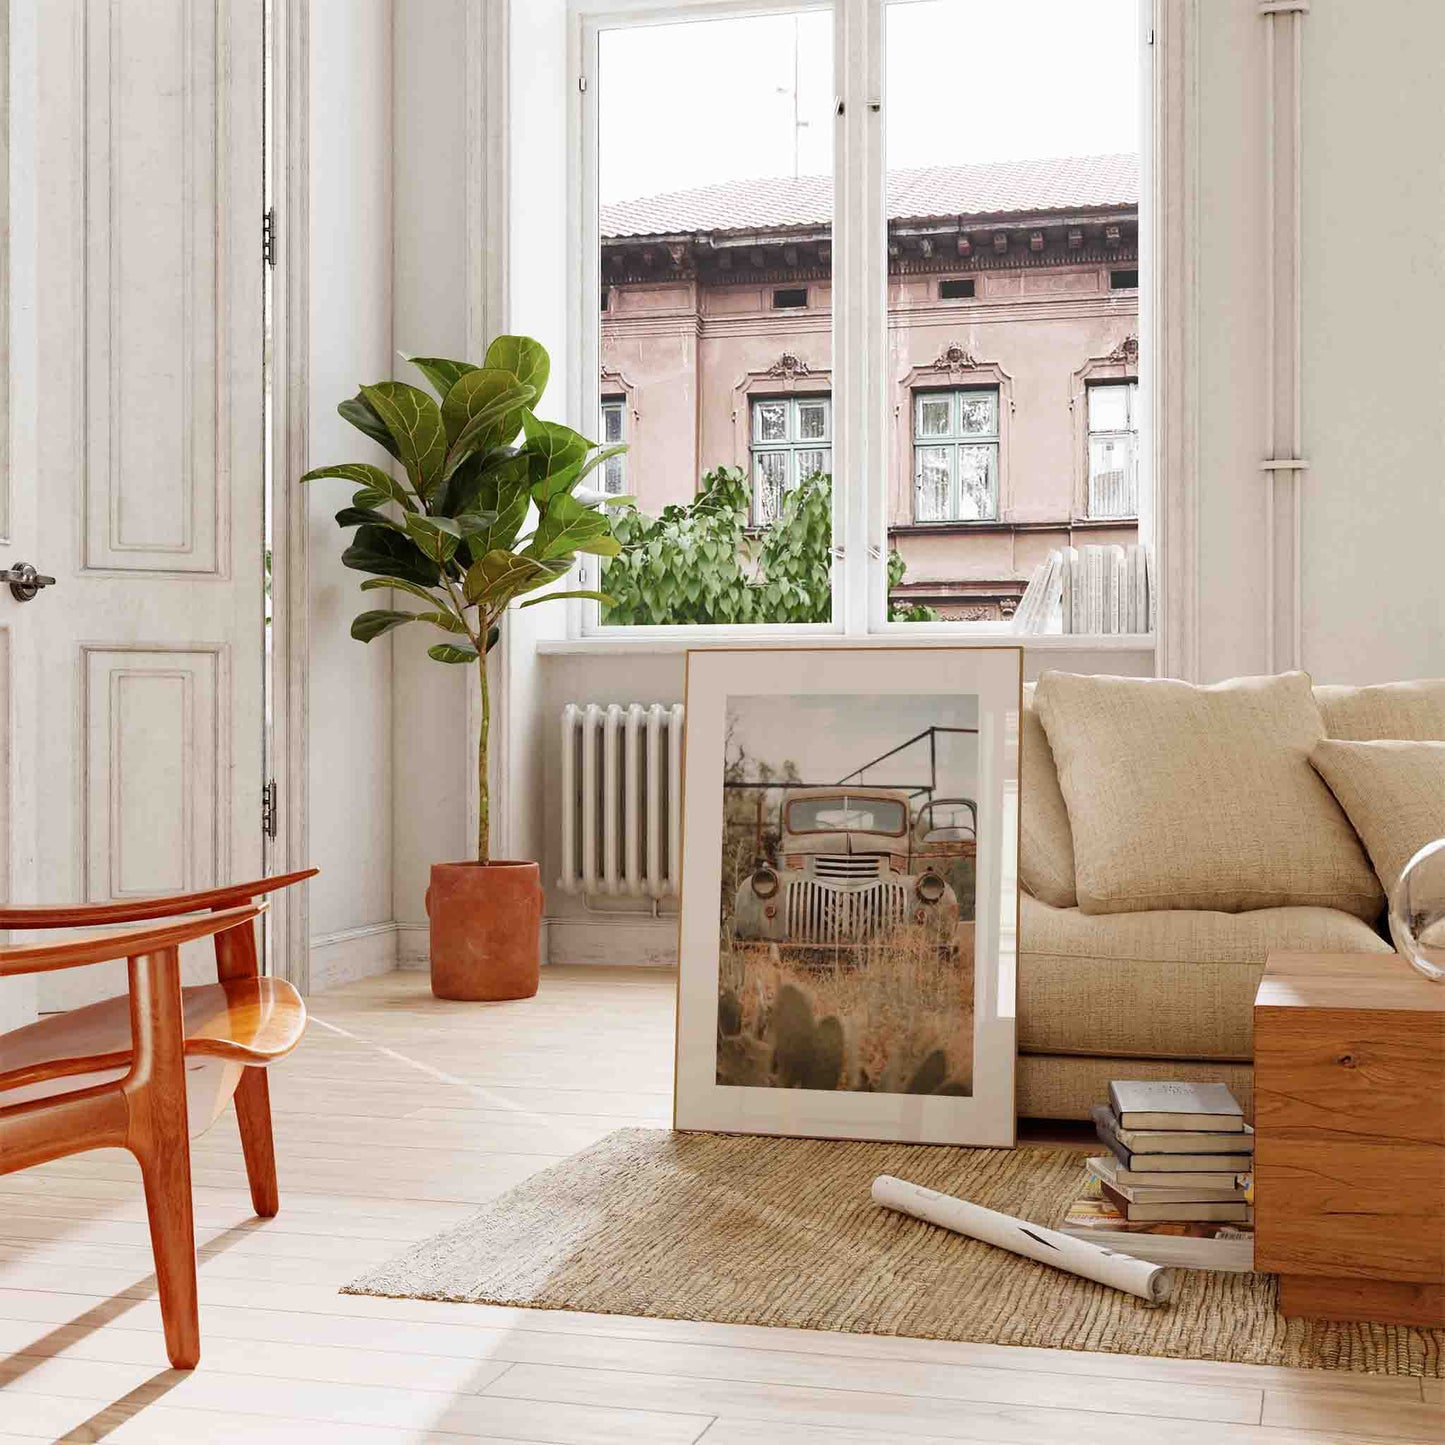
(1151, 1282)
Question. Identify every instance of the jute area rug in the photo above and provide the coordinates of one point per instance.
(744, 1230)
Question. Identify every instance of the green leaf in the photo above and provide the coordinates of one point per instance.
(558, 596)
(551, 448)
(362, 415)
(500, 576)
(436, 536)
(452, 652)
(415, 423)
(567, 526)
(447, 621)
(363, 517)
(478, 390)
(439, 372)
(526, 359)
(570, 477)
(493, 424)
(402, 585)
(366, 625)
(501, 490)
(386, 553)
(373, 479)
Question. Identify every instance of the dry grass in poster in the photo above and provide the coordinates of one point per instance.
(893, 1016)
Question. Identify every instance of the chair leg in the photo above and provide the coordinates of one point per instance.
(253, 1114)
(173, 1242)
(159, 1137)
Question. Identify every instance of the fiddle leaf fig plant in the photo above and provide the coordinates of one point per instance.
(488, 511)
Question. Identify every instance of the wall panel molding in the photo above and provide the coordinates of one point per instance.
(157, 816)
(157, 458)
(1283, 466)
(1170, 331)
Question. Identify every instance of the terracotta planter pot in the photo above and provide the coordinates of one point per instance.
(486, 921)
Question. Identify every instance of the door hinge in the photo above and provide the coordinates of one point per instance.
(270, 813)
(268, 236)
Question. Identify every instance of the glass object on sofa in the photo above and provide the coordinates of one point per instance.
(1417, 911)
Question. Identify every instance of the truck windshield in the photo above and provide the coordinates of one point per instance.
(845, 814)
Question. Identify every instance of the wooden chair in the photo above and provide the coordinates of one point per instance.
(148, 1069)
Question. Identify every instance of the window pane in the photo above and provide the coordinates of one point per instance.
(977, 483)
(1113, 490)
(612, 422)
(770, 482)
(934, 503)
(714, 178)
(935, 416)
(612, 476)
(1109, 408)
(770, 421)
(811, 464)
(1036, 214)
(978, 413)
(812, 420)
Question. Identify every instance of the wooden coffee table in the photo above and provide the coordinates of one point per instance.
(1349, 1091)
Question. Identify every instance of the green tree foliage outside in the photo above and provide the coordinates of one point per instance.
(702, 562)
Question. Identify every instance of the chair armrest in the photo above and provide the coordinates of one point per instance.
(47, 957)
(137, 910)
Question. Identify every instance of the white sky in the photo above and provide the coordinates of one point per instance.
(828, 737)
(697, 102)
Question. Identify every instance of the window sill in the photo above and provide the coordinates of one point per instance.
(985, 636)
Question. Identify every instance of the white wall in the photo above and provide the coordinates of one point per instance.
(1373, 300)
(351, 342)
(430, 752)
(1374, 360)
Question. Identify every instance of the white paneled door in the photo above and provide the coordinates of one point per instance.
(134, 453)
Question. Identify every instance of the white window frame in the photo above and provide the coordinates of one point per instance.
(861, 412)
(613, 466)
(793, 445)
(952, 441)
(1128, 433)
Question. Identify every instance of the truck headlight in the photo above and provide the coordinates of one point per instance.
(765, 881)
(930, 888)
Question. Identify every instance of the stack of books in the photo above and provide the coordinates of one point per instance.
(1176, 1178)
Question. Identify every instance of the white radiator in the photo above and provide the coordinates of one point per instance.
(622, 799)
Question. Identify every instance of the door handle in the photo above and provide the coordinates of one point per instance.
(25, 581)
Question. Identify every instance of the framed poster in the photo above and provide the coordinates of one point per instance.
(850, 893)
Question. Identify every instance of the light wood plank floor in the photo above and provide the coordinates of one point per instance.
(396, 1116)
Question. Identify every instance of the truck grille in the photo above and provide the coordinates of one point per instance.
(847, 867)
(822, 913)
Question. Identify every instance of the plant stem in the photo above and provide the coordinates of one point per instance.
(484, 807)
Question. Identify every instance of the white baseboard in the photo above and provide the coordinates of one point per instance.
(352, 953)
(611, 939)
(413, 945)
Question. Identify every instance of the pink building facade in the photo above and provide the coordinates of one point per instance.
(1013, 360)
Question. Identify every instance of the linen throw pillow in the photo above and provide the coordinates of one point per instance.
(1046, 847)
(1200, 797)
(1394, 793)
(1384, 710)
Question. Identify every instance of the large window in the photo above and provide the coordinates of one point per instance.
(1113, 449)
(790, 438)
(955, 455)
(902, 429)
(714, 244)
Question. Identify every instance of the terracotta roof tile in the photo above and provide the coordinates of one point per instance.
(1063, 183)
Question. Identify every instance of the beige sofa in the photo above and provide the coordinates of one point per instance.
(1168, 993)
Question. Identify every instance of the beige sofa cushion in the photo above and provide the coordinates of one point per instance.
(1046, 847)
(1388, 710)
(1394, 793)
(1173, 984)
(1067, 1086)
(1200, 797)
